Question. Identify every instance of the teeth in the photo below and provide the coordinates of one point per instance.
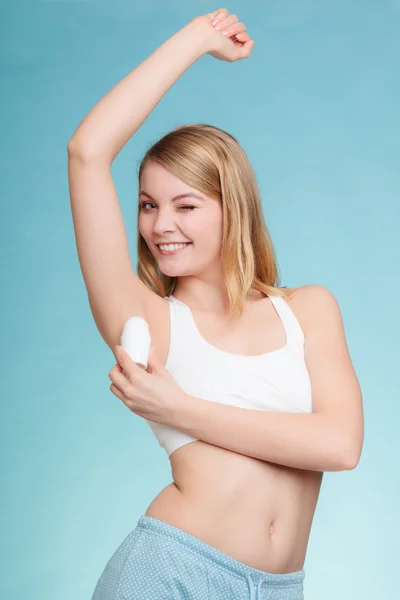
(172, 246)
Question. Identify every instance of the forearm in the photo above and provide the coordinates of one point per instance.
(119, 114)
(304, 441)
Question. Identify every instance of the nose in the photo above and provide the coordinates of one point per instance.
(164, 222)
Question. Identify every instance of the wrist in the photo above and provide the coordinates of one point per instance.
(199, 35)
(179, 416)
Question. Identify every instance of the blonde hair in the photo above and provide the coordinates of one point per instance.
(212, 161)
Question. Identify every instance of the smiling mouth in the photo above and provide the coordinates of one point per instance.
(174, 251)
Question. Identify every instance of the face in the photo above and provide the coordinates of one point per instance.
(194, 219)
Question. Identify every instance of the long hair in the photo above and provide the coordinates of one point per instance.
(212, 161)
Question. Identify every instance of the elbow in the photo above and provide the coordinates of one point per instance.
(351, 463)
(351, 458)
(78, 150)
(73, 148)
(76, 153)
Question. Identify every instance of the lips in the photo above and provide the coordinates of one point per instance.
(168, 243)
(176, 251)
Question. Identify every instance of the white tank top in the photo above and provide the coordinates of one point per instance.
(276, 381)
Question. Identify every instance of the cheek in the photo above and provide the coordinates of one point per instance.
(210, 221)
(208, 234)
(143, 226)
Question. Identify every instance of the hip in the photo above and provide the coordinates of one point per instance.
(261, 539)
(159, 560)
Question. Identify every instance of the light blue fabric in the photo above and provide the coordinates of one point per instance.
(158, 561)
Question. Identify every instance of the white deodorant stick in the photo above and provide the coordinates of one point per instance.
(136, 340)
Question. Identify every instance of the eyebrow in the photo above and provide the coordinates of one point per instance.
(179, 197)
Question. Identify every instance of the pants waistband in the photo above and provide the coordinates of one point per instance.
(217, 557)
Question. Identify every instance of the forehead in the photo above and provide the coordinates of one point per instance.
(156, 178)
(157, 183)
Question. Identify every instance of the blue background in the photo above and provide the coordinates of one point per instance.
(316, 108)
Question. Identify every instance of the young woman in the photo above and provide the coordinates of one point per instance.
(252, 392)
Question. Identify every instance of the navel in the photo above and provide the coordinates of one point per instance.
(272, 528)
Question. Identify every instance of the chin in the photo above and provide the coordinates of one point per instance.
(174, 272)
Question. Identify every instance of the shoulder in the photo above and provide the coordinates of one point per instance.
(313, 305)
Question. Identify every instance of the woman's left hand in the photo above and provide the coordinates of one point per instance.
(152, 394)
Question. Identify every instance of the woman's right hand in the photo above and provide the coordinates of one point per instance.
(234, 45)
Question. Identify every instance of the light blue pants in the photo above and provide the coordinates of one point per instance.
(158, 561)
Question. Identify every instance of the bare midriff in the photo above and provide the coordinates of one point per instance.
(257, 512)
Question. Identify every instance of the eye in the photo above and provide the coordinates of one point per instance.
(185, 207)
(143, 205)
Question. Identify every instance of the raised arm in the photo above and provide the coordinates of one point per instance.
(114, 290)
(119, 114)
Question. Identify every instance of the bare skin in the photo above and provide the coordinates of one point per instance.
(255, 511)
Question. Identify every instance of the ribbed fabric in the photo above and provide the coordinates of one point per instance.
(275, 381)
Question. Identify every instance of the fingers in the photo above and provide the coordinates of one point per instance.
(120, 380)
(231, 27)
(117, 392)
(246, 49)
(220, 14)
(226, 23)
(234, 30)
(243, 36)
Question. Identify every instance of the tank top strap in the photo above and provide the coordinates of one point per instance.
(181, 323)
(294, 332)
